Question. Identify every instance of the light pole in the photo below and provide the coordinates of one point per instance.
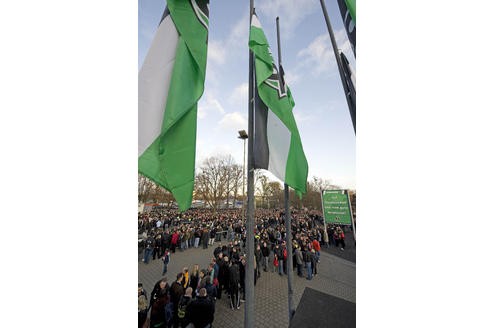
(243, 135)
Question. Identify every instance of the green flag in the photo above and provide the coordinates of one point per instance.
(277, 144)
(171, 81)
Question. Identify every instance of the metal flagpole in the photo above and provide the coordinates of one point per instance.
(288, 238)
(249, 277)
(350, 103)
(352, 216)
(324, 219)
(288, 232)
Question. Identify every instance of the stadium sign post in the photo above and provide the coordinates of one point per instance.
(336, 208)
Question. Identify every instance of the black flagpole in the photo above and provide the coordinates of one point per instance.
(350, 103)
(288, 233)
(249, 277)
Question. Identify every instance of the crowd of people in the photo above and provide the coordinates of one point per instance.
(190, 300)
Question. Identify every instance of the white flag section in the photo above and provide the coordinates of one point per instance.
(154, 82)
(278, 137)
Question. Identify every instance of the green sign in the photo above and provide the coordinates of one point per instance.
(336, 207)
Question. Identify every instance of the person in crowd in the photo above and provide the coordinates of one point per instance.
(176, 292)
(242, 275)
(325, 238)
(314, 261)
(142, 291)
(166, 261)
(340, 238)
(185, 281)
(299, 261)
(160, 285)
(201, 311)
(174, 241)
(194, 279)
(257, 260)
(255, 271)
(158, 246)
(149, 245)
(234, 284)
(142, 306)
(216, 268)
(205, 237)
(307, 261)
(284, 254)
(197, 237)
(235, 253)
(202, 280)
(211, 289)
(265, 252)
(166, 240)
(230, 233)
(213, 232)
(217, 251)
(279, 253)
(333, 236)
(161, 315)
(182, 314)
(317, 248)
(223, 276)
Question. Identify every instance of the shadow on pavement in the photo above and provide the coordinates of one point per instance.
(317, 309)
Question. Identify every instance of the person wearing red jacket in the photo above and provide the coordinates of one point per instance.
(317, 248)
(174, 241)
(340, 238)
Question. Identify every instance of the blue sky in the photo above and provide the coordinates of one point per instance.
(321, 110)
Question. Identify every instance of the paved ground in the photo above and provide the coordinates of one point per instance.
(336, 276)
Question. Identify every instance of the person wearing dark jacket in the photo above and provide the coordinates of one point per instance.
(149, 245)
(185, 300)
(205, 237)
(314, 261)
(217, 251)
(142, 306)
(194, 279)
(158, 315)
(158, 246)
(278, 251)
(234, 280)
(223, 276)
(242, 275)
(211, 289)
(176, 292)
(201, 311)
(307, 260)
(299, 261)
(213, 232)
(257, 257)
(160, 284)
(265, 252)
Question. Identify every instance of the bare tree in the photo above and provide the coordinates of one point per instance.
(145, 189)
(218, 179)
(276, 194)
(235, 176)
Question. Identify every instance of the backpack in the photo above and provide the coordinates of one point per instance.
(181, 310)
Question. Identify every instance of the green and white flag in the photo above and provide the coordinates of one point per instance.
(277, 144)
(171, 81)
